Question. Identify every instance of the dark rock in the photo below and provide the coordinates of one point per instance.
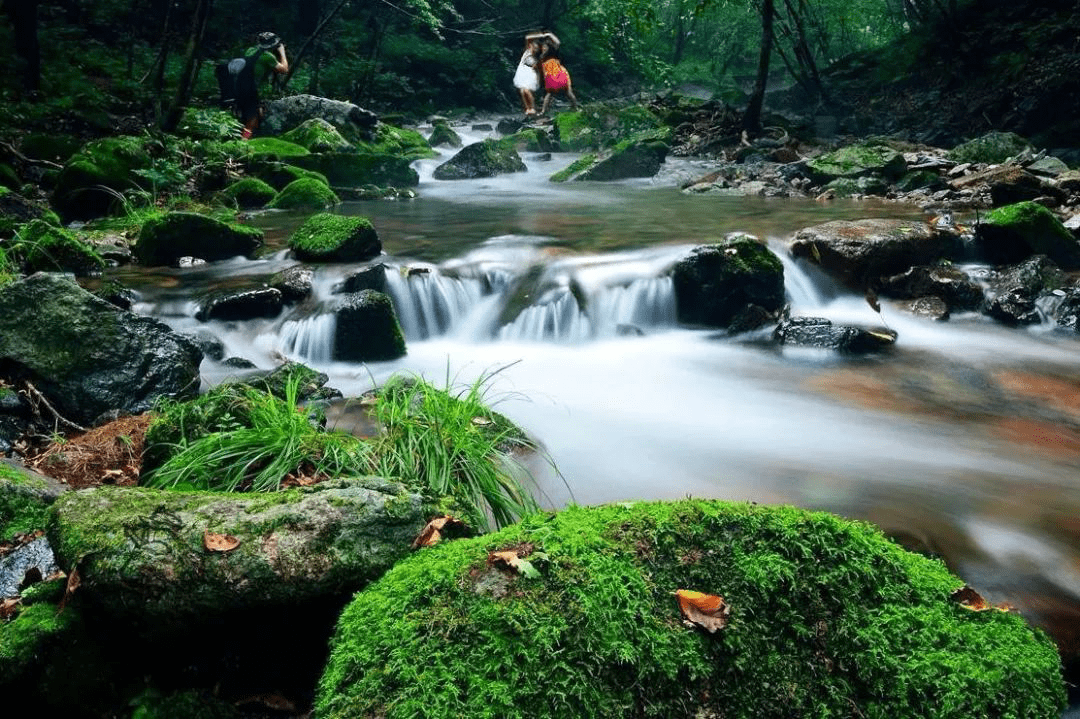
(482, 127)
(443, 134)
(991, 148)
(635, 159)
(1067, 312)
(240, 305)
(91, 179)
(309, 383)
(367, 329)
(508, 126)
(480, 159)
(116, 294)
(357, 169)
(164, 240)
(211, 345)
(368, 278)
(1018, 186)
(1013, 295)
(16, 210)
(294, 283)
(948, 283)
(1014, 233)
(821, 333)
(239, 363)
(860, 252)
(352, 121)
(931, 307)
(716, 284)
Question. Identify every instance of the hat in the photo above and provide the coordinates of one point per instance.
(268, 40)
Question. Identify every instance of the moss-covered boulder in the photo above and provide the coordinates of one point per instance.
(721, 284)
(165, 239)
(335, 238)
(16, 210)
(43, 247)
(529, 139)
(326, 540)
(856, 186)
(993, 147)
(599, 126)
(360, 168)
(85, 355)
(810, 615)
(28, 640)
(318, 135)
(367, 328)
(860, 252)
(9, 271)
(273, 148)
(279, 174)
(854, 161)
(88, 184)
(49, 146)
(353, 122)
(25, 498)
(486, 158)
(1015, 232)
(248, 193)
(442, 134)
(627, 159)
(397, 141)
(305, 194)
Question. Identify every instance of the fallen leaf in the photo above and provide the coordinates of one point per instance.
(481, 421)
(432, 531)
(968, 598)
(707, 611)
(514, 560)
(220, 542)
(73, 582)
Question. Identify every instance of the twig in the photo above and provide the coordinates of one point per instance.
(8, 147)
(37, 397)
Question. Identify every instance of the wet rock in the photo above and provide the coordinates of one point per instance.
(348, 169)
(716, 284)
(854, 161)
(309, 383)
(486, 158)
(164, 240)
(368, 278)
(294, 283)
(634, 159)
(930, 307)
(318, 135)
(211, 345)
(1014, 294)
(530, 139)
(508, 126)
(351, 121)
(117, 295)
(823, 334)
(291, 546)
(860, 252)
(1015, 232)
(1067, 312)
(367, 328)
(335, 238)
(946, 282)
(443, 135)
(240, 305)
(36, 556)
(239, 363)
(86, 355)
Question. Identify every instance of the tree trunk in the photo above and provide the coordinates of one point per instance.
(24, 21)
(187, 75)
(752, 118)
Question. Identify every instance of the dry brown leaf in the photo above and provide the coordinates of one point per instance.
(968, 598)
(707, 611)
(73, 582)
(7, 608)
(515, 560)
(220, 542)
(432, 531)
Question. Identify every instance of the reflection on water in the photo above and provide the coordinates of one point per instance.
(963, 441)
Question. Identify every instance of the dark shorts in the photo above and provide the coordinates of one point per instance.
(247, 106)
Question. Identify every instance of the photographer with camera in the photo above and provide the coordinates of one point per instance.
(265, 58)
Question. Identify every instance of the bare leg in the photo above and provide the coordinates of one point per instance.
(570, 94)
(547, 102)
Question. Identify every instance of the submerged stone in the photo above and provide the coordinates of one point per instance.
(823, 334)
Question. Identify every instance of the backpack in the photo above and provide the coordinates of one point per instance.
(236, 78)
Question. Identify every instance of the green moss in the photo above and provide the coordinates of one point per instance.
(993, 147)
(305, 194)
(1025, 228)
(22, 506)
(335, 238)
(85, 187)
(250, 192)
(346, 169)
(8, 271)
(189, 704)
(857, 161)
(401, 142)
(599, 126)
(272, 147)
(577, 166)
(828, 618)
(44, 247)
(278, 175)
(317, 135)
(25, 640)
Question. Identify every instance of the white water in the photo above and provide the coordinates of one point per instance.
(561, 293)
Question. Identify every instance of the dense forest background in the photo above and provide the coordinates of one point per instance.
(987, 65)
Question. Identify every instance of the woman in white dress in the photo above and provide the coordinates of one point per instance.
(527, 76)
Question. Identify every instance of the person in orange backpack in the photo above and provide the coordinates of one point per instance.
(556, 76)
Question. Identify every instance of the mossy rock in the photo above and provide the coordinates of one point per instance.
(8, 177)
(202, 123)
(361, 168)
(857, 186)
(530, 139)
(335, 238)
(920, 180)
(716, 284)
(486, 158)
(397, 141)
(630, 158)
(49, 146)
(29, 639)
(991, 148)
(45, 248)
(599, 126)
(9, 272)
(443, 134)
(367, 329)
(88, 184)
(25, 499)
(165, 239)
(248, 193)
(318, 135)
(16, 210)
(1015, 232)
(278, 174)
(305, 194)
(274, 148)
(854, 161)
(825, 617)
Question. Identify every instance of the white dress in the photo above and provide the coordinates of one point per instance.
(525, 77)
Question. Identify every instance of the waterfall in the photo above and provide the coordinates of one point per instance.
(429, 303)
(558, 319)
(311, 338)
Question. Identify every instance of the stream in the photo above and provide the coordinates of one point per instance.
(963, 440)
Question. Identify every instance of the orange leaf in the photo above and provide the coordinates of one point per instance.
(514, 560)
(707, 611)
(432, 531)
(73, 582)
(220, 542)
(968, 598)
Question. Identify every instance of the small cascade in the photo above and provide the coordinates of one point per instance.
(310, 339)
(644, 303)
(429, 304)
(806, 286)
(558, 319)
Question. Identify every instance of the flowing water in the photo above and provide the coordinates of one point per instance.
(964, 440)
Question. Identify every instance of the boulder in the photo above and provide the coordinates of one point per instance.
(335, 238)
(239, 305)
(992, 148)
(159, 559)
(357, 169)
(88, 185)
(1067, 312)
(353, 122)
(368, 278)
(43, 247)
(305, 194)
(691, 608)
(821, 333)
(279, 174)
(164, 240)
(486, 158)
(854, 161)
(400, 142)
(716, 284)
(248, 194)
(16, 210)
(599, 126)
(25, 498)
(951, 285)
(86, 356)
(269, 149)
(531, 139)
(443, 135)
(367, 329)
(626, 160)
(859, 252)
(1013, 296)
(855, 186)
(1015, 232)
(318, 135)
(294, 283)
